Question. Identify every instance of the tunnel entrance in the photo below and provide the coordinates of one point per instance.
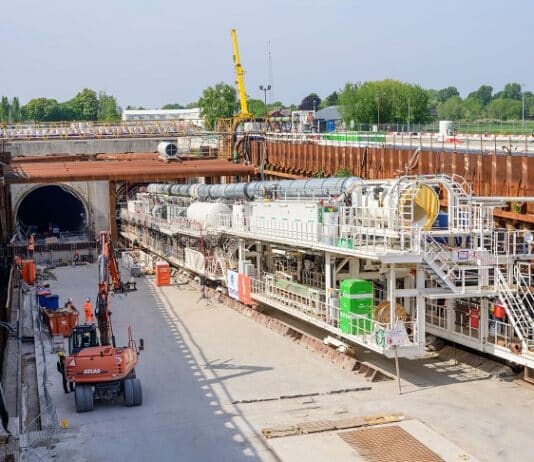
(51, 209)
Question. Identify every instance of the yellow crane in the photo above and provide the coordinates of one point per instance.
(240, 81)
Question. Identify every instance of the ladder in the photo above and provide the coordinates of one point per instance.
(518, 305)
(406, 203)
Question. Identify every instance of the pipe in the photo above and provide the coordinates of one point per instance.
(307, 188)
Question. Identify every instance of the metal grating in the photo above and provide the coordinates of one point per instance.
(388, 444)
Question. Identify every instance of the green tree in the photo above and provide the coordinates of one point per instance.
(217, 102)
(445, 93)
(173, 106)
(510, 91)
(4, 110)
(529, 104)
(310, 102)
(504, 109)
(14, 110)
(66, 112)
(433, 101)
(42, 110)
(256, 107)
(331, 100)
(387, 100)
(107, 108)
(85, 105)
(472, 108)
(348, 103)
(452, 109)
(483, 95)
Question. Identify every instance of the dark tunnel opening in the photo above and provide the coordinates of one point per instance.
(47, 208)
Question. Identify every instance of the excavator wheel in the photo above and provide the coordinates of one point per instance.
(128, 393)
(137, 392)
(83, 397)
(133, 394)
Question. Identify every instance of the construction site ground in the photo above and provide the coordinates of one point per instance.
(213, 379)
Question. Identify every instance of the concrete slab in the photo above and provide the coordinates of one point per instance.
(198, 360)
(329, 446)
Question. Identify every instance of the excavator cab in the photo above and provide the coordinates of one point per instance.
(83, 336)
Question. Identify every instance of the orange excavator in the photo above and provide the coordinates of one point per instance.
(97, 368)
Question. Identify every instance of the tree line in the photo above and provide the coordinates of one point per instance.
(86, 105)
(385, 101)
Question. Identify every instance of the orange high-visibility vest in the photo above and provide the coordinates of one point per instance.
(88, 309)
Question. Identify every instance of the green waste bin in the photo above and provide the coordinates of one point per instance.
(356, 298)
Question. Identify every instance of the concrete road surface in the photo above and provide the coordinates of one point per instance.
(198, 360)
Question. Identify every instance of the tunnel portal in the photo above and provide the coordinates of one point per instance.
(50, 208)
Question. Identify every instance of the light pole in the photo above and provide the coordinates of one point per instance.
(265, 89)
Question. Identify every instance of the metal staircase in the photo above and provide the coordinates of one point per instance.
(439, 262)
(518, 303)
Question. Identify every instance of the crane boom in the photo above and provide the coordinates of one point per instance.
(240, 80)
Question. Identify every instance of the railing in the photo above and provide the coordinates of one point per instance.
(469, 143)
(436, 315)
(359, 328)
(40, 430)
(512, 243)
(139, 129)
(12, 250)
(170, 227)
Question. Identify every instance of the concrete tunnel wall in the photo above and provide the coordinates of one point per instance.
(94, 196)
(88, 146)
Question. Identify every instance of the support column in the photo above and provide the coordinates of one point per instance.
(354, 267)
(329, 272)
(420, 305)
(484, 320)
(240, 254)
(391, 294)
(112, 211)
(450, 314)
(259, 253)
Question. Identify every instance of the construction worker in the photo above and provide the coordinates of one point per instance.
(61, 370)
(31, 246)
(88, 311)
(17, 261)
(70, 306)
(75, 258)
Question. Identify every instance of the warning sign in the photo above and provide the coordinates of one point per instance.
(239, 287)
(233, 284)
(395, 337)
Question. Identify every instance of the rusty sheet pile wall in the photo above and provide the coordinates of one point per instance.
(489, 174)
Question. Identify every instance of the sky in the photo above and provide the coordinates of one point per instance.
(153, 52)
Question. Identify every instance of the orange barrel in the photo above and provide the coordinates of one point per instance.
(28, 271)
(499, 312)
(474, 318)
(163, 273)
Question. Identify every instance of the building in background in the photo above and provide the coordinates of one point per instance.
(328, 119)
(162, 115)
